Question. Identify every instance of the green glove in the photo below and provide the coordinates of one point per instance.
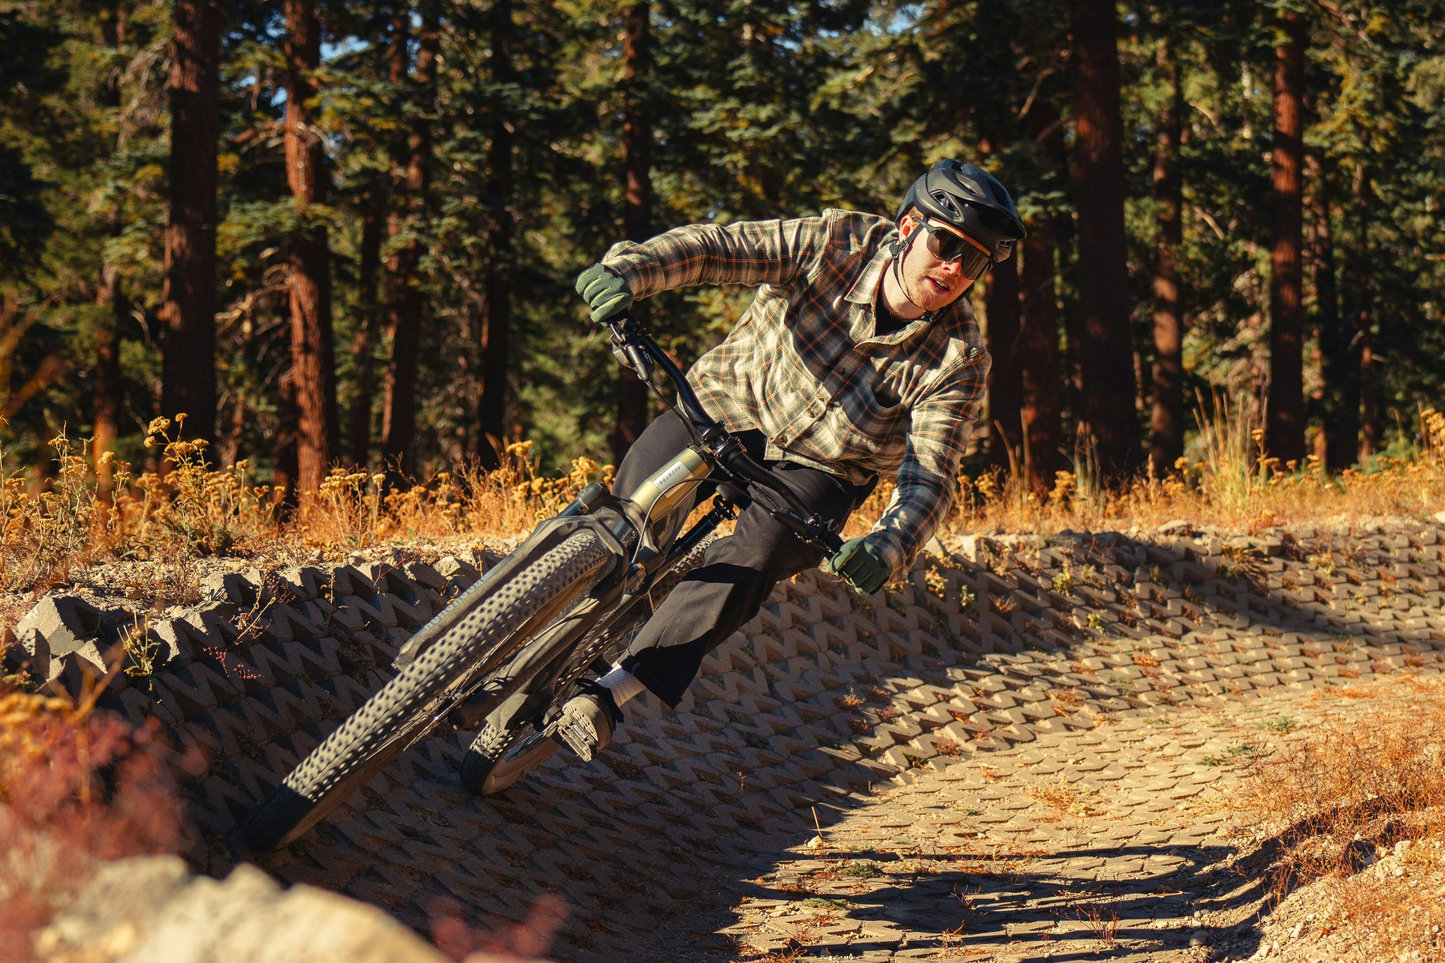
(605, 291)
(860, 565)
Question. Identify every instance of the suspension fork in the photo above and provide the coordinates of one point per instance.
(546, 659)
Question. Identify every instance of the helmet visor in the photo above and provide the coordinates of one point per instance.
(973, 259)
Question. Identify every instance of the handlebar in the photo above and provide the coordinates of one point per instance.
(724, 450)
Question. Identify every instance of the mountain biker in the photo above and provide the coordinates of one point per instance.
(858, 356)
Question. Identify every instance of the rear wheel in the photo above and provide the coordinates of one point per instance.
(405, 708)
(499, 757)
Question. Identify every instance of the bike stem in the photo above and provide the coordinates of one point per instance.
(646, 355)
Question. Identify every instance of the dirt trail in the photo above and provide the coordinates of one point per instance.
(1112, 844)
(1013, 683)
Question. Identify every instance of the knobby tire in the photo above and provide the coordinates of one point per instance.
(399, 713)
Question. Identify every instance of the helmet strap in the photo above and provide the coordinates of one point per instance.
(900, 249)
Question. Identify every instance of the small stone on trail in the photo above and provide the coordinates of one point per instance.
(816, 842)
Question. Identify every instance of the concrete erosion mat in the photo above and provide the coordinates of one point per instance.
(907, 726)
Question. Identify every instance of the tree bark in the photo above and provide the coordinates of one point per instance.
(1039, 337)
(1284, 427)
(1167, 416)
(106, 391)
(106, 387)
(405, 308)
(496, 318)
(1042, 387)
(283, 452)
(1339, 372)
(1361, 319)
(632, 396)
(363, 392)
(1005, 378)
(1107, 418)
(996, 124)
(313, 368)
(188, 311)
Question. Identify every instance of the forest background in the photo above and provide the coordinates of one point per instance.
(345, 233)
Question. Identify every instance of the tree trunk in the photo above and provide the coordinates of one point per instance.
(1361, 319)
(1339, 373)
(1005, 378)
(496, 318)
(109, 324)
(313, 368)
(632, 395)
(405, 308)
(284, 450)
(1167, 417)
(994, 109)
(358, 429)
(1285, 426)
(1107, 418)
(106, 387)
(188, 311)
(1039, 337)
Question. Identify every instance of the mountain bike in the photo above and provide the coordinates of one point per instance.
(508, 652)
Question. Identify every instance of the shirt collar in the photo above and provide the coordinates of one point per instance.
(865, 289)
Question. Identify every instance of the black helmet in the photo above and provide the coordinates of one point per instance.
(970, 199)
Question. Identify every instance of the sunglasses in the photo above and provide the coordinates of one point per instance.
(945, 245)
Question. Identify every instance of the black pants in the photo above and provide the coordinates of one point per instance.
(738, 571)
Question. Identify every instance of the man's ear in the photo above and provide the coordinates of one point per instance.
(909, 223)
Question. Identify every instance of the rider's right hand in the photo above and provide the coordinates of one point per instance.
(605, 291)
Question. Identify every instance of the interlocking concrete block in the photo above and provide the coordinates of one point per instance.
(458, 573)
(63, 621)
(423, 574)
(30, 654)
(233, 587)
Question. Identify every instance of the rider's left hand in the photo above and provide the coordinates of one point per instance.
(859, 564)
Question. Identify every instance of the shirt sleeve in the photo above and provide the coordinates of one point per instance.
(927, 485)
(750, 253)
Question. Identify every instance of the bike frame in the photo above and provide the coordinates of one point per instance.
(524, 686)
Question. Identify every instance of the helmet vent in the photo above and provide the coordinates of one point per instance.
(947, 203)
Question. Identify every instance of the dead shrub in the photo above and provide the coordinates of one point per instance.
(75, 788)
(1359, 808)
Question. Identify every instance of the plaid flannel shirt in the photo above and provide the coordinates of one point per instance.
(804, 367)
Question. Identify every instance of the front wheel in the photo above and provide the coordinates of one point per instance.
(405, 708)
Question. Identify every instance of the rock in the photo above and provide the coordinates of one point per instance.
(246, 918)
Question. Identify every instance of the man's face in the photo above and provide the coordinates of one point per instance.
(929, 282)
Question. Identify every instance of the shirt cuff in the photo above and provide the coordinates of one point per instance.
(893, 553)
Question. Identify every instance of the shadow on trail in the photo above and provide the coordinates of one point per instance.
(974, 902)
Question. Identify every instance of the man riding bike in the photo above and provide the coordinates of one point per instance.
(858, 356)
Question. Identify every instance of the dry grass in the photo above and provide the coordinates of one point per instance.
(51, 531)
(1359, 810)
(54, 529)
(1066, 799)
(1227, 480)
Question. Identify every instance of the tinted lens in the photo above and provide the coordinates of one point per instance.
(948, 246)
